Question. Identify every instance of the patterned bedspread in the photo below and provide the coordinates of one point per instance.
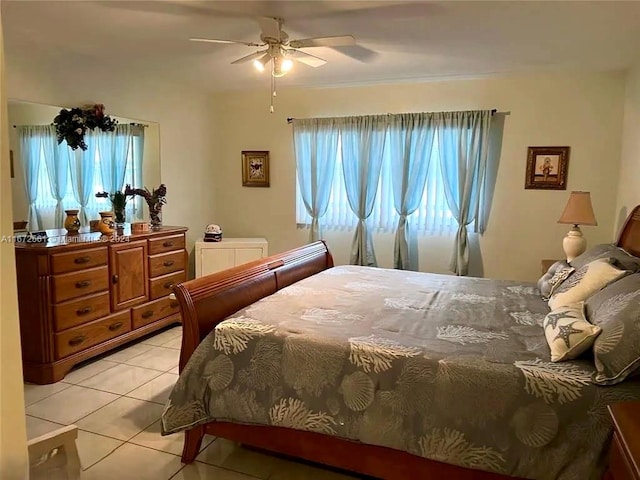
(450, 368)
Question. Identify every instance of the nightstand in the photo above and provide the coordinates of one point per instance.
(546, 264)
(624, 456)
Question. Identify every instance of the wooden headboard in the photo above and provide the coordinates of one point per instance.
(629, 238)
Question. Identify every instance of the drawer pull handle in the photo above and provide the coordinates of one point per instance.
(115, 326)
(167, 244)
(83, 311)
(168, 285)
(147, 314)
(75, 341)
(168, 263)
(115, 278)
(174, 304)
(83, 284)
(81, 260)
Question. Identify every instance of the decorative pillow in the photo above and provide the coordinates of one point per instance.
(584, 282)
(616, 309)
(568, 333)
(608, 250)
(557, 273)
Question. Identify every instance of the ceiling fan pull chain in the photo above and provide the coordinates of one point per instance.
(273, 93)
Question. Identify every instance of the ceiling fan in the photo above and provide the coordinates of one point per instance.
(280, 50)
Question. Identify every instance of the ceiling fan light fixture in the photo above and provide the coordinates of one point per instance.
(260, 63)
(287, 64)
(281, 66)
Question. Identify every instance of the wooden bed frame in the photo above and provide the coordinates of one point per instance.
(208, 300)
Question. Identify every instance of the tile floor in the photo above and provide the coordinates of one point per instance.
(116, 402)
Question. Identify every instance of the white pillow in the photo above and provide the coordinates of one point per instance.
(584, 282)
(568, 332)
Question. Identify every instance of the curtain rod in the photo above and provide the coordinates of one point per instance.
(493, 112)
(132, 124)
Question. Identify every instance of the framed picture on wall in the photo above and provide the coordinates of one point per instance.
(255, 168)
(547, 168)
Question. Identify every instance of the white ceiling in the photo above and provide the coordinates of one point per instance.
(411, 39)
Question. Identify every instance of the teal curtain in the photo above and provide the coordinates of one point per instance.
(463, 146)
(363, 140)
(82, 174)
(113, 150)
(410, 145)
(315, 145)
(135, 204)
(30, 143)
(56, 157)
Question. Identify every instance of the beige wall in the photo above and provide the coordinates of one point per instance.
(187, 153)
(583, 111)
(629, 186)
(13, 439)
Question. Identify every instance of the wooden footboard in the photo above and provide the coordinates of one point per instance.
(208, 300)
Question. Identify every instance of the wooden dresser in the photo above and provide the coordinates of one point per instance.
(82, 295)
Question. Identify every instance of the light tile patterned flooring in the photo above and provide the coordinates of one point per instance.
(116, 402)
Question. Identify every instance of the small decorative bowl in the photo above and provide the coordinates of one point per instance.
(140, 227)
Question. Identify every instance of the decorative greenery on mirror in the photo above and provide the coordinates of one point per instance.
(71, 125)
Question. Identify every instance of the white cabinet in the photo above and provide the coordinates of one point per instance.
(212, 257)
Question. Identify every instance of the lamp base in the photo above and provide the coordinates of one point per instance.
(574, 243)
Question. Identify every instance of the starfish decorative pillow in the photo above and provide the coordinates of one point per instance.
(568, 332)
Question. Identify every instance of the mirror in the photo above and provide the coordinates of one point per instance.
(26, 113)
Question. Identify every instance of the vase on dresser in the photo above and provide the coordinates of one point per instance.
(72, 222)
(119, 215)
(155, 215)
(106, 225)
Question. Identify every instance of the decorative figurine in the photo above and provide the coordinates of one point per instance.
(213, 233)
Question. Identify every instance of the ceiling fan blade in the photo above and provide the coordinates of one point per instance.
(358, 52)
(216, 40)
(270, 27)
(306, 58)
(249, 57)
(323, 41)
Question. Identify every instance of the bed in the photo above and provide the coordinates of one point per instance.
(440, 377)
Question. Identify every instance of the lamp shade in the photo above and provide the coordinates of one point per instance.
(578, 210)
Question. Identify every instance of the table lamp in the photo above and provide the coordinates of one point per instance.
(578, 211)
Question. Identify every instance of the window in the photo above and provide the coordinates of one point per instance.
(46, 202)
(432, 216)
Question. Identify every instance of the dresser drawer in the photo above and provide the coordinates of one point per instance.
(83, 310)
(166, 263)
(80, 338)
(161, 286)
(78, 260)
(166, 244)
(152, 311)
(76, 284)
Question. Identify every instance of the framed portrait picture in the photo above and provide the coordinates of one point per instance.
(547, 168)
(255, 168)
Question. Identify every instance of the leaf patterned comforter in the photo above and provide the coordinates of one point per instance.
(449, 368)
